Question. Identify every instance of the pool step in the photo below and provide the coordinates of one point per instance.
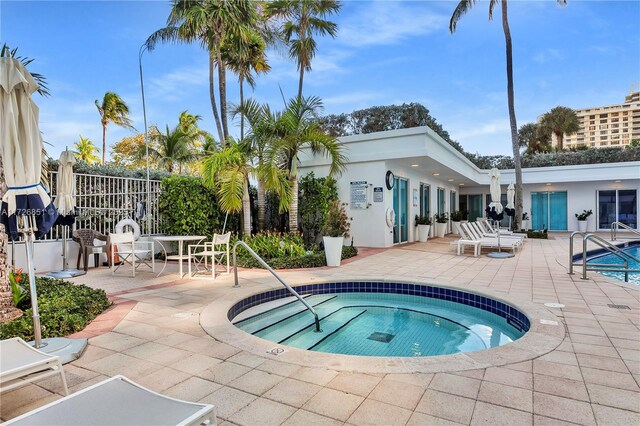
(262, 322)
(331, 324)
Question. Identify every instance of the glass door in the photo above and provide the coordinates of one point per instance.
(617, 205)
(539, 210)
(452, 201)
(441, 201)
(425, 199)
(475, 207)
(549, 210)
(401, 209)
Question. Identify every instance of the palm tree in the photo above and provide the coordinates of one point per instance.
(112, 110)
(560, 121)
(297, 129)
(533, 138)
(303, 20)
(85, 150)
(171, 149)
(463, 7)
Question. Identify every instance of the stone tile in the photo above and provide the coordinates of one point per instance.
(90, 354)
(256, 382)
(317, 376)
(509, 377)
(602, 363)
(560, 386)
(123, 364)
(556, 370)
(372, 412)
(548, 421)
(192, 389)
(196, 363)
(457, 385)
(224, 372)
(163, 379)
(268, 412)
(15, 411)
(247, 359)
(609, 378)
(19, 397)
(417, 379)
(175, 339)
(560, 357)
(74, 375)
(506, 396)
(355, 383)
(420, 419)
(116, 341)
(333, 403)
(614, 417)
(446, 406)
(307, 418)
(617, 398)
(292, 392)
(278, 367)
(228, 401)
(494, 415)
(397, 393)
(563, 408)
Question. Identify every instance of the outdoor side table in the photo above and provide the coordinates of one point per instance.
(180, 239)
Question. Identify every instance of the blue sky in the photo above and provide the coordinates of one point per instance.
(584, 54)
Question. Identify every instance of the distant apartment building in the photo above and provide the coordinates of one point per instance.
(613, 125)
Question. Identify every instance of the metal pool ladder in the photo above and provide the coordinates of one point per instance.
(611, 248)
(278, 277)
(617, 225)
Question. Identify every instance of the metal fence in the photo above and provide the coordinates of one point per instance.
(102, 201)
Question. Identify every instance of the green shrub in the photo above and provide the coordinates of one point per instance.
(337, 223)
(271, 245)
(315, 196)
(64, 307)
(312, 259)
(422, 220)
(542, 235)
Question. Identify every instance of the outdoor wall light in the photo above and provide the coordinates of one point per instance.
(449, 180)
(415, 165)
(617, 181)
(461, 184)
(548, 184)
(436, 174)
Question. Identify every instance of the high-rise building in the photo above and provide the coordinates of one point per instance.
(612, 125)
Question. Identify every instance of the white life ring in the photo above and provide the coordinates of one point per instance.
(390, 216)
(128, 222)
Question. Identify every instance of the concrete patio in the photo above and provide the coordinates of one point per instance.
(152, 335)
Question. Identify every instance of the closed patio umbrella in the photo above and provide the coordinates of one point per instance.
(495, 210)
(26, 207)
(510, 208)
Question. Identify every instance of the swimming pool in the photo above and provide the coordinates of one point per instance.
(382, 319)
(611, 259)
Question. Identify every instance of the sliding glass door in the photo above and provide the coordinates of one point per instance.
(441, 201)
(617, 205)
(401, 208)
(425, 200)
(474, 204)
(549, 210)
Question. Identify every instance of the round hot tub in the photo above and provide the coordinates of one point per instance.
(381, 319)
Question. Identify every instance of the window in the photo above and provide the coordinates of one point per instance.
(464, 205)
(452, 201)
(617, 205)
(441, 201)
(425, 199)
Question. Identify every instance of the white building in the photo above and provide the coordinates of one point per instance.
(429, 177)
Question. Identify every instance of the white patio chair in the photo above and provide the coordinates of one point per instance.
(130, 252)
(217, 251)
(21, 364)
(466, 240)
(117, 402)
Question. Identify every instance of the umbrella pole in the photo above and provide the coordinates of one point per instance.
(26, 226)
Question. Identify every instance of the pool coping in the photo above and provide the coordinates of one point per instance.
(546, 332)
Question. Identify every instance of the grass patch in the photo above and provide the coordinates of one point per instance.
(65, 308)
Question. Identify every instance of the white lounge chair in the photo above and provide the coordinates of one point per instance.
(464, 241)
(481, 233)
(217, 250)
(488, 228)
(504, 242)
(21, 364)
(117, 402)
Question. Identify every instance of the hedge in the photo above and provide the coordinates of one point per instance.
(314, 259)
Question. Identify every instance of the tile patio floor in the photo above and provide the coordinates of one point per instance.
(591, 378)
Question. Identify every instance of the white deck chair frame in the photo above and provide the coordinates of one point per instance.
(128, 250)
(479, 230)
(47, 366)
(200, 254)
(464, 241)
(489, 229)
(507, 243)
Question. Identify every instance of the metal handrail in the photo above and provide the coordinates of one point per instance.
(616, 225)
(278, 277)
(611, 248)
(573, 234)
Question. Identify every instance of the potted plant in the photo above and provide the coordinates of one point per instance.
(424, 224)
(335, 229)
(457, 217)
(441, 224)
(525, 221)
(582, 220)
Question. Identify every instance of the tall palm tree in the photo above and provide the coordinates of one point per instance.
(114, 110)
(303, 20)
(461, 9)
(85, 150)
(298, 129)
(533, 138)
(171, 149)
(560, 121)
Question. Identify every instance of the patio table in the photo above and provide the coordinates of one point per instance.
(180, 239)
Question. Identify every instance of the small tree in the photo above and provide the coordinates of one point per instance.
(560, 121)
(86, 151)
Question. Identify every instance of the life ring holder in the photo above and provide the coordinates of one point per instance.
(119, 228)
(390, 217)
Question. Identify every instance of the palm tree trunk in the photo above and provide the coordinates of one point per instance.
(246, 211)
(512, 117)
(262, 195)
(300, 82)
(560, 141)
(7, 310)
(212, 96)
(241, 103)
(293, 207)
(222, 86)
(104, 142)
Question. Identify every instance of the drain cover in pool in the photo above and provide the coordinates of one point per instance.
(381, 337)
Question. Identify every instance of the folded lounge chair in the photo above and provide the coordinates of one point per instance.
(488, 228)
(21, 364)
(118, 401)
(481, 233)
(504, 242)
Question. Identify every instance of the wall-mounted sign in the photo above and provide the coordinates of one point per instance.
(377, 194)
(415, 197)
(359, 195)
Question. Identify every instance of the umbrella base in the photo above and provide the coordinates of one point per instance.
(67, 349)
(500, 255)
(65, 273)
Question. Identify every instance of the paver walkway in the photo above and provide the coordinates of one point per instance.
(592, 377)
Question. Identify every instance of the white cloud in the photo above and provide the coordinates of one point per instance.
(354, 100)
(547, 55)
(471, 131)
(172, 86)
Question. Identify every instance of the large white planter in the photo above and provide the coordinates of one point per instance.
(441, 229)
(333, 250)
(525, 225)
(582, 225)
(423, 233)
(455, 227)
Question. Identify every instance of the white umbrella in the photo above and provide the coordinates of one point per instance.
(511, 197)
(26, 207)
(65, 201)
(494, 189)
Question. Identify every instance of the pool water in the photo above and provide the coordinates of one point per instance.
(610, 259)
(379, 324)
